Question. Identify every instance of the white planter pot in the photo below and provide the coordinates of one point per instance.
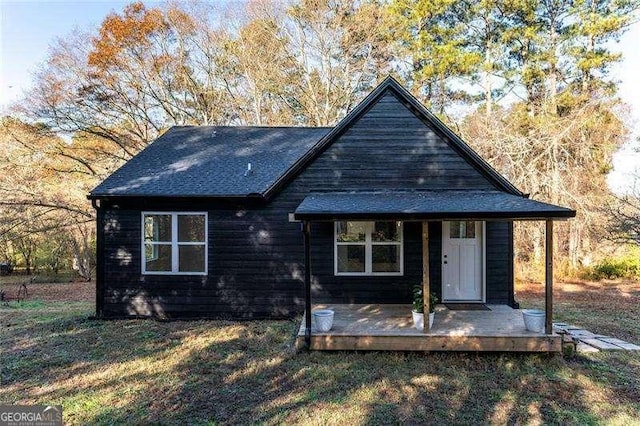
(418, 320)
(323, 319)
(534, 320)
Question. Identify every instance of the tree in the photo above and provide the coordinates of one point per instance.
(39, 207)
(342, 51)
(103, 95)
(433, 41)
(624, 216)
(596, 24)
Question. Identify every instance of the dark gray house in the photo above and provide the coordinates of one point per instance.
(209, 221)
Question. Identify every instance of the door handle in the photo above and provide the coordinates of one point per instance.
(445, 262)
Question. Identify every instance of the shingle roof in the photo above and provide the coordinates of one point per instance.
(204, 161)
(434, 205)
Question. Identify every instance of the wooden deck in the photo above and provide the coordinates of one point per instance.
(390, 327)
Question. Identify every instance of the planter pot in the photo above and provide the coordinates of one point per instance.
(323, 319)
(533, 320)
(418, 319)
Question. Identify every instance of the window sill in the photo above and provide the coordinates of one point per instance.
(364, 274)
(175, 273)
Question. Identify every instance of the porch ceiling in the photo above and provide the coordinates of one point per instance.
(427, 205)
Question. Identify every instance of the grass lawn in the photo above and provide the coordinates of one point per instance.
(223, 372)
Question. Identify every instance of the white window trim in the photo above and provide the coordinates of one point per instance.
(175, 267)
(368, 251)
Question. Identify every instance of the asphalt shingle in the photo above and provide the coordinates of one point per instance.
(211, 161)
(426, 205)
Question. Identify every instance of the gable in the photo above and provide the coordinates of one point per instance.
(389, 147)
(390, 141)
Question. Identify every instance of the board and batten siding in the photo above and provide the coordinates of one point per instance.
(256, 256)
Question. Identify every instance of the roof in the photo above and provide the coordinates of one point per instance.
(211, 161)
(427, 205)
(207, 161)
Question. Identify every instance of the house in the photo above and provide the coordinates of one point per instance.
(259, 222)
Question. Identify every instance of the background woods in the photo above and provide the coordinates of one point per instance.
(526, 83)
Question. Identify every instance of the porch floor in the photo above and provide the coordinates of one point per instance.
(390, 327)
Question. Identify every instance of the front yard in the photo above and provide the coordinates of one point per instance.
(224, 372)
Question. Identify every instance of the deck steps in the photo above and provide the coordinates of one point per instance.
(587, 341)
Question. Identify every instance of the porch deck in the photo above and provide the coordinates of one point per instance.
(390, 327)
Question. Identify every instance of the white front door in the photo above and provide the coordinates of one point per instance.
(462, 261)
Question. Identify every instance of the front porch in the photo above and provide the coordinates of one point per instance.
(390, 327)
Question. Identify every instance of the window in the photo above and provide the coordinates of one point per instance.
(462, 229)
(368, 248)
(174, 243)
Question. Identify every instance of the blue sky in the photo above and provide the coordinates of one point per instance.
(28, 27)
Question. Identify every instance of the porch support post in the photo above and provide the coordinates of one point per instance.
(549, 278)
(426, 285)
(306, 230)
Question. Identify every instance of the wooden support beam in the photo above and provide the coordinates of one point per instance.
(549, 278)
(426, 285)
(538, 343)
(306, 230)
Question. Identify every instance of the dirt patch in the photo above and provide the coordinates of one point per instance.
(619, 292)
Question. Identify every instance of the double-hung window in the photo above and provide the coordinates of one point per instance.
(368, 248)
(174, 243)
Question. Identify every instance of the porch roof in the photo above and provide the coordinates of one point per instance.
(427, 205)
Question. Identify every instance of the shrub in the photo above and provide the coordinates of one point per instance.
(612, 268)
(418, 300)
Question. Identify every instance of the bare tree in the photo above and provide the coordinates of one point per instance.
(624, 216)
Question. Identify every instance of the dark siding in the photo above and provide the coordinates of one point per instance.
(390, 148)
(256, 255)
(363, 289)
(435, 258)
(100, 256)
(499, 263)
(254, 267)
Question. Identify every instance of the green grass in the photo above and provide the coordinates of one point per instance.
(218, 372)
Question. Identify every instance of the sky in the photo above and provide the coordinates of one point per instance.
(28, 27)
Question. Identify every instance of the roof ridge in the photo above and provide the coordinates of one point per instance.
(248, 127)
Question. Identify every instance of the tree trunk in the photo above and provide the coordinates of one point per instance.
(487, 81)
(553, 69)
